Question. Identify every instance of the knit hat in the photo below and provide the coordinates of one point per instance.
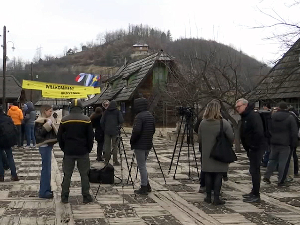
(283, 106)
(76, 103)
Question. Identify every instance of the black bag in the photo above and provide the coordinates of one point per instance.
(103, 176)
(222, 150)
(8, 133)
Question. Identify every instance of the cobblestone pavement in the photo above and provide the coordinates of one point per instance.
(175, 202)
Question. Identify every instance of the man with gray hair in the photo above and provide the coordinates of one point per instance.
(254, 142)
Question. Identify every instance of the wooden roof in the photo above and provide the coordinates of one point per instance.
(51, 101)
(121, 91)
(283, 80)
(13, 87)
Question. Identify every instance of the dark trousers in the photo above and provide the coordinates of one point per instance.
(83, 165)
(255, 159)
(45, 182)
(266, 156)
(7, 153)
(213, 181)
(19, 133)
(99, 149)
(296, 161)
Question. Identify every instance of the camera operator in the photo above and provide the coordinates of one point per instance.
(111, 121)
(141, 140)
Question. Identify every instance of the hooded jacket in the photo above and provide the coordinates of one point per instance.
(16, 114)
(252, 131)
(30, 114)
(75, 134)
(284, 129)
(111, 120)
(44, 133)
(143, 126)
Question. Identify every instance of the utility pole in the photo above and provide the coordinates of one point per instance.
(31, 77)
(4, 69)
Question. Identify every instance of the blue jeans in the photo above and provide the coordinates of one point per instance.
(141, 158)
(29, 129)
(45, 187)
(10, 160)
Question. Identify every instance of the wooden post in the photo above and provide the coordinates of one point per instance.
(4, 70)
(31, 78)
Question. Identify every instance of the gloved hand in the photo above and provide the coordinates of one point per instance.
(49, 121)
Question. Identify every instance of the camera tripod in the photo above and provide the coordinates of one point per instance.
(188, 131)
(121, 147)
(137, 168)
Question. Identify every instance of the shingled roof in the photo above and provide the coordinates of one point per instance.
(283, 80)
(118, 89)
(13, 87)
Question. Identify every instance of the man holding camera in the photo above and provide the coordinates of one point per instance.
(111, 122)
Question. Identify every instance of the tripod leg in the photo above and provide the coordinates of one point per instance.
(175, 145)
(129, 171)
(180, 150)
(137, 171)
(97, 192)
(159, 165)
(188, 143)
(125, 155)
(195, 158)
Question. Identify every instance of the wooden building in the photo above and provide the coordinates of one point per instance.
(140, 49)
(142, 78)
(283, 81)
(13, 90)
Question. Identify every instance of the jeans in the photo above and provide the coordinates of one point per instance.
(109, 141)
(99, 149)
(19, 133)
(213, 181)
(45, 182)
(23, 134)
(83, 165)
(141, 158)
(10, 160)
(255, 159)
(266, 156)
(29, 129)
(279, 156)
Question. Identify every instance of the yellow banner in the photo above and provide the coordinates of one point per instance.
(63, 94)
(43, 86)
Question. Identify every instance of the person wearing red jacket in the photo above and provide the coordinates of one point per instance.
(17, 116)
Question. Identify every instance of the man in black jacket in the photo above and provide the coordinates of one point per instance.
(141, 140)
(111, 122)
(253, 140)
(283, 140)
(76, 137)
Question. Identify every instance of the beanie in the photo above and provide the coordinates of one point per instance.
(283, 106)
(76, 103)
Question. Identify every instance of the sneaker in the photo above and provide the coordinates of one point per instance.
(1, 178)
(207, 199)
(248, 195)
(252, 199)
(202, 189)
(48, 196)
(149, 189)
(87, 199)
(14, 178)
(218, 201)
(27, 147)
(141, 191)
(266, 180)
(290, 179)
(283, 184)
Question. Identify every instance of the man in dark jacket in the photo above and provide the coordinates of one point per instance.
(141, 140)
(253, 140)
(111, 122)
(284, 139)
(76, 137)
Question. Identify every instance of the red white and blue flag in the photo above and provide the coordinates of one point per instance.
(80, 77)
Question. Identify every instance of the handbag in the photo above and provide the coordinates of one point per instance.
(222, 150)
(104, 175)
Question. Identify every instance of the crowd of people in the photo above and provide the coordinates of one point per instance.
(269, 142)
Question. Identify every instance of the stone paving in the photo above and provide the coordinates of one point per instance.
(175, 202)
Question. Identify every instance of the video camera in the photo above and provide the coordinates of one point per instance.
(185, 111)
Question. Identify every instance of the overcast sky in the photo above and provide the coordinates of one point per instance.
(56, 24)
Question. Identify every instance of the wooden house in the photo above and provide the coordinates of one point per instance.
(13, 89)
(140, 49)
(142, 78)
(283, 81)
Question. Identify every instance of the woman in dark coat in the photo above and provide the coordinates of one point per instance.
(99, 134)
(208, 131)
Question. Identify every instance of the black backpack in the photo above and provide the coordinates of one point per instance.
(103, 176)
(266, 117)
(8, 133)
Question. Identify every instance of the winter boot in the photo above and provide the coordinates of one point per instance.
(218, 201)
(141, 191)
(207, 199)
(149, 189)
(87, 199)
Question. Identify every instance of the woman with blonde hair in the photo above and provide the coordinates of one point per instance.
(208, 131)
(46, 137)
